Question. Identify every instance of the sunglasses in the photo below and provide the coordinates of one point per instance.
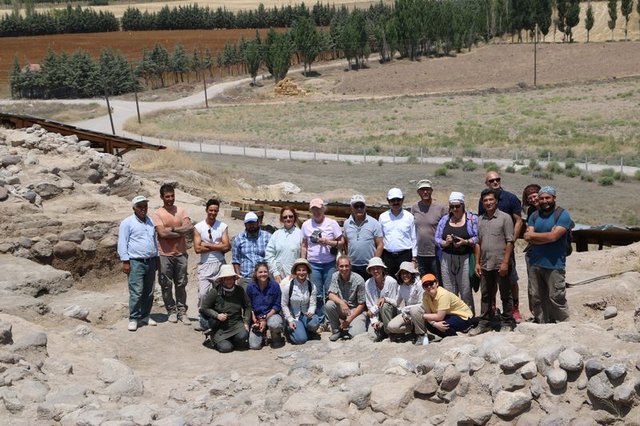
(429, 284)
(358, 206)
(494, 180)
(455, 206)
(210, 237)
(290, 216)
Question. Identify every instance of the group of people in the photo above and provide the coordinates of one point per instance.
(410, 274)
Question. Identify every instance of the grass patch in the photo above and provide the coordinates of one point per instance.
(64, 113)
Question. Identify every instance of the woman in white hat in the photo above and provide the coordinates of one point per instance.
(456, 236)
(299, 304)
(227, 310)
(381, 293)
(409, 296)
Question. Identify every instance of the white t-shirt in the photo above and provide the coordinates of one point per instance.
(217, 230)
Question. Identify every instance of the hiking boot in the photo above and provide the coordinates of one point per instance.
(173, 318)
(481, 328)
(277, 344)
(336, 336)
(346, 335)
(133, 325)
(516, 313)
(185, 319)
(148, 321)
(380, 335)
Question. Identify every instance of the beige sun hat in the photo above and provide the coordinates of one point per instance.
(226, 271)
(407, 266)
(298, 262)
(375, 261)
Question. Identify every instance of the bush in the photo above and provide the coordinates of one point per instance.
(510, 169)
(451, 165)
(621, 177)
(586, 176)
(542, 175)
(606, 180)
(525, 171)
(440, 171)
(637, 175)
(554, 167)
(380, 162)
(534, 165)
(607, 172)
(470, 166)
(573, 172)
(570, 164)
(491, 167)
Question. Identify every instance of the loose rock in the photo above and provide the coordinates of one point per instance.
(557, 378)
(570, 361)
(610, 312)
(510, 404)
(77, 312)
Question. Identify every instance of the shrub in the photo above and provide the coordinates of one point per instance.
(607, 172)
(380, 162)
(525, 171)
(470, 166)
(451, 165)
(573, 172)
(619, 176)
(606, 180)
(534, 165)
(637, 175)
(491, 167)
(570, 164)
(630, 218)
(542, 175)
(586, 176)
(554, 167)
(440, 171)
(510, 169)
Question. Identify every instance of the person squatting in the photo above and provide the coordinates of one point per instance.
(407, 276)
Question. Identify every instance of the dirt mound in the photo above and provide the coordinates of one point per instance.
(287, 87)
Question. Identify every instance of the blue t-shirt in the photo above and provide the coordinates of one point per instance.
(551, 255)
(507, 202)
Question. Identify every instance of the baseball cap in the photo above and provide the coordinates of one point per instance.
(317, 203)
(250, 217)
(427, 278)
(424, 183)
(357, 199)
(394, 193)
(139, 199)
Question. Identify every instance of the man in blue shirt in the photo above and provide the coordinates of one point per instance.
(248, 248)
(138, 251)
(362, 237)
(546, 232)
(510, 204)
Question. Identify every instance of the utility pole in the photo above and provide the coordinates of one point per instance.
(535, 58)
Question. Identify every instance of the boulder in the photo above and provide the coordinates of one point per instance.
(10, 160)
(511, 404)
(450, 379)
(6, 335)
(515, 361)
(600, 387)
(65, 249)
(624, 394)
(427, 385)
(42, 249)
(75, 235)
(77, 312)
(47, 190)
(88, 246)
(570, 361)
(616, 372)
(57, 366)
(529, 370)
(391, 399)
(593, 366)
(546, 356)
(343, 369)
(31, 391)
(557, 379)
(4, 194)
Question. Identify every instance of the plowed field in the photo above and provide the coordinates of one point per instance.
(33, 49)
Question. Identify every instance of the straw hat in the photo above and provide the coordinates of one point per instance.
(226, 271)
(299, 262)
(375, 261)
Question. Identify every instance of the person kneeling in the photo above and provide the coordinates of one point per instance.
(299, 304)
(441, 313)
(347, 302)
(227, 310)
(265, 296)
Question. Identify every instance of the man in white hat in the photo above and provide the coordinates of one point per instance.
(427, 213)
(362, 237)
(398, 233)
(138, 251)
(248, 248)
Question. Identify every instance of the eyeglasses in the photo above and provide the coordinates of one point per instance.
(429, 284)
(455, 206)
(288, 217)
(494, 180)
(209, 231)
(358, 206)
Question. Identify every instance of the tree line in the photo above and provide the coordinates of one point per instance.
(59, 21)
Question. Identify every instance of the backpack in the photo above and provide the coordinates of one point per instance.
(568, 236)
(291, 288)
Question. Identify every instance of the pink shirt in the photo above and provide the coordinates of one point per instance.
(329, 228)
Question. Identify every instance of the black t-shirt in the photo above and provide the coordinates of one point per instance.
(457, 232)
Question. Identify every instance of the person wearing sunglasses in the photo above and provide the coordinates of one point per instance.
(456, 236)
(510, 204)
(362, 237)
(427, 213)
(284, 245)
(442, 313)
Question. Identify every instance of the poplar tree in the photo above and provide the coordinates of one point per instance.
(626, 7)
(589, 20)
(613, 15)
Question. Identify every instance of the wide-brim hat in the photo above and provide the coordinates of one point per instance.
(375, 261)
(407, 266)
(226, 271)
(299, 262)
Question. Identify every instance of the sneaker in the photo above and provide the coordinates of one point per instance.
(185, 319)
(133, 326)
(336, 336)
(422, 340)
(346, 335)
(173, 318)
(148, 321)
(198, 325)
(481, 328)
(516, 314)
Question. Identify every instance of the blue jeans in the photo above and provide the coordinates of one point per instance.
(321, 278)
(141, 279)
(304, 326)
(455, 324)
